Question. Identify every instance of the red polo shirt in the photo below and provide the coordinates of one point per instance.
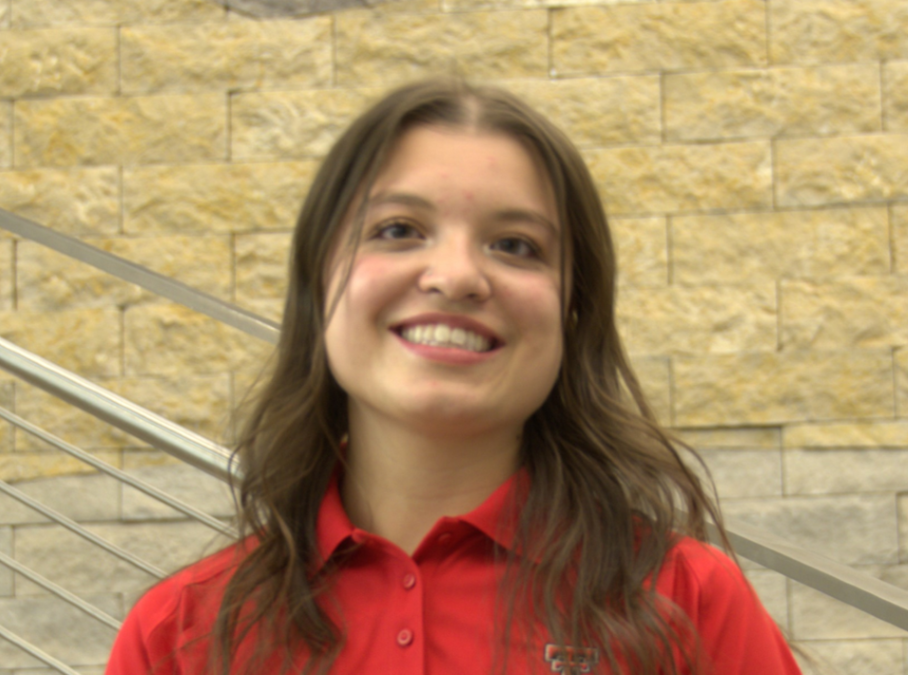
(434, 613)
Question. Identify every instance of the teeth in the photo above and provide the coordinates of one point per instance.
(440, 335)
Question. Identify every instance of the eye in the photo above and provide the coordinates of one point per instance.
(516, 246)
(396, 230)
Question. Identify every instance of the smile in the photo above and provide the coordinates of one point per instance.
(441, 335)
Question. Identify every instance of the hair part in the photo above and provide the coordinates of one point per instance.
(608, 489)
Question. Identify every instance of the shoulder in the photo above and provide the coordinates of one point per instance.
(178, 611)
(734, 631)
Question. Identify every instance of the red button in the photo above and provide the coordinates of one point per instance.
(444, 537)
(409, 581)
(405, 637)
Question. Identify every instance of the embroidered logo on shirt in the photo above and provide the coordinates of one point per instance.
(571, 660)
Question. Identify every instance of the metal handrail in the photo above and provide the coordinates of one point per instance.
(121, 476)
(158, 431)
(844, 583)
(841, 582)
(77, 529)
(217, 309)
(28, 647)
(59, 591)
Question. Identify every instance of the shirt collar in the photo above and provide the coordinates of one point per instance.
(497, 517)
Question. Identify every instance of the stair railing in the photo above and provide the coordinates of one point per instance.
(839, 581)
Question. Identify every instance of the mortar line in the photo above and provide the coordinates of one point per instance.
(768, 24)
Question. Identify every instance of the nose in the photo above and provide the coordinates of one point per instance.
(455, 268)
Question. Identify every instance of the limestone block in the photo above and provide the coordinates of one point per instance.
(655, 380)
(901, 382)
(744, 473)
(772, 588)
(895, 95)
(864, 526)
(736, 247)
(670, 178)
(54, 62)
(21, 466)
(96, 351)
(4, 14)
(261, 266)
(199, 403)
(177, 479)
(6, 134)
(6, 574)
(75, 563)
(816, 616)
(743, 438)
(772, 388)
(63, 420)
(7, 397)
(72, 201)
(855, 313)
(827, 31)
(173, 340)
(50, 281)
(902, 502)
(58, 628)
(596, 111)
(774, 102)
(227, 55)
(642, 250)
(698, 319)
(83, 670)
(382, 49)
(215, 197)
(7, 262)
(112, 12)
(252, 10)
(127, 130)
(841, 471)
(664, 36)
(82, 498)
(899, 238)
(860, 657)
(877, 434)
(812, 172)
(294, 124)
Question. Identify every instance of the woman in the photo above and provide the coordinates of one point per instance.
(453, 468)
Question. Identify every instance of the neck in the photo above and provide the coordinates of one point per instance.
(400, 481)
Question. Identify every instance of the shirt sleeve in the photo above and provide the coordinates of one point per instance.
(145, 644)
(736, 634)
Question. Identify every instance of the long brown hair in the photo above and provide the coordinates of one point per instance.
(608, 490)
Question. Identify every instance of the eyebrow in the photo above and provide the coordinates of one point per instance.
(507, 215)
(402, 198)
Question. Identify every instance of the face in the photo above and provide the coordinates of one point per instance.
(450, 319)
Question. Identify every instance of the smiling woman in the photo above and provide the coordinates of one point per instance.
(452, 468)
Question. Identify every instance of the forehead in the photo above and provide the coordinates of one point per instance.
(437, 160)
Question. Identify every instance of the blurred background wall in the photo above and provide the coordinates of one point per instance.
(752, 156)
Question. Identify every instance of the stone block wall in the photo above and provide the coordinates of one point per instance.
(752, 155)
